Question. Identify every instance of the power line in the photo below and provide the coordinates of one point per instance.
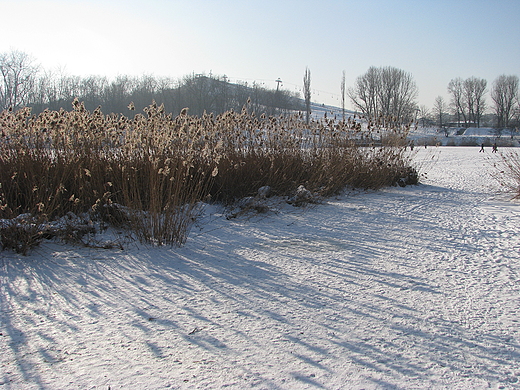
(298, 87)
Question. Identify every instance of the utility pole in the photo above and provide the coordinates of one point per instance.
(278, 82)
(277, 95)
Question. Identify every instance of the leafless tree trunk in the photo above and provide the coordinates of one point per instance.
(440, 110)
(474, 90)
(424, 113)
(455, 88)
(307, 93)
(480, 91)
(343, 96)
(504, 95)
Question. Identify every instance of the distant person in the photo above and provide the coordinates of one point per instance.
(495, 148)
(481, 147)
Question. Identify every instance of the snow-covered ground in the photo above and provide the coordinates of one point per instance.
(420, 135)
(403, 288)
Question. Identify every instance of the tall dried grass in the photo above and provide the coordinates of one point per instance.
(507, 171)
(150, 172)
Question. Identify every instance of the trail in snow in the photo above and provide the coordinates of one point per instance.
(414, 287)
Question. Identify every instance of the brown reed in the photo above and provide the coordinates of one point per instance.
(158, 168)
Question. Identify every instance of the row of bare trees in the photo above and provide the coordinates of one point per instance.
(389, 92)
(199, 92)
(24, 84)
(468, 106)
(384, 92)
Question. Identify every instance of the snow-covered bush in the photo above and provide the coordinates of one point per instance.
(20, 234)
(302, 196)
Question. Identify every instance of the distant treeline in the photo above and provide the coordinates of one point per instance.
(24, 84)
(200, 93)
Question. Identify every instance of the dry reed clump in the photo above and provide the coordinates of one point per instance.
(325, 156)
(150, 173)
(86, 162)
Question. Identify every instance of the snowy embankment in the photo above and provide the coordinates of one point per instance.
(409, 288)
(471, 136)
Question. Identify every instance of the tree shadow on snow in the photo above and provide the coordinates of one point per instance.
(345, 288)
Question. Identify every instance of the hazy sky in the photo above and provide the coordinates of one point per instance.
(263, 40)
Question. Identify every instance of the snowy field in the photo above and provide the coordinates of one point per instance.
(403, 288)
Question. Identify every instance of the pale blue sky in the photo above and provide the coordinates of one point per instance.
(263, 40)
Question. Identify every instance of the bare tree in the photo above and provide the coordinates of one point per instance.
(364, 94)
(307, 93)
(456, 90)
(92, 90)
(467, 99)
(18, 73)
(474, 90)
(480, 99)
(504, 95)
(424, 115)
(385, 92)
(44, 90)
(398, 94)
(440, 110)
(515, 121)
(343, 96)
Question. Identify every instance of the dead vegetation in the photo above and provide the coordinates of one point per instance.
(150, 173)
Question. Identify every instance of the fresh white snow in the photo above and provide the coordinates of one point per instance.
(403, 288)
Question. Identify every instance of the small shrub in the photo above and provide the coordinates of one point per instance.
(21, 234)
(507, 172)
